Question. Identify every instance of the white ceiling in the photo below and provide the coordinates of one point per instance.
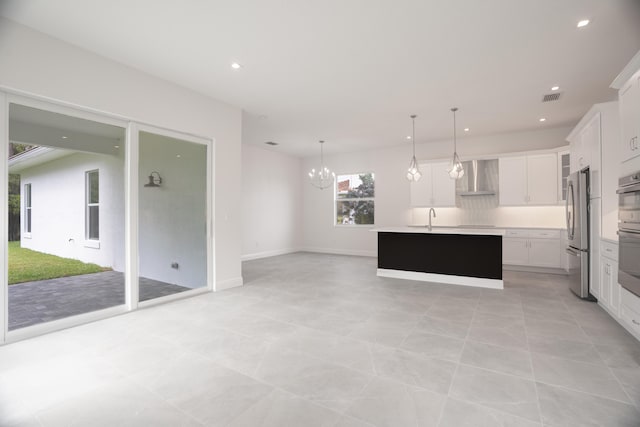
(351, 71)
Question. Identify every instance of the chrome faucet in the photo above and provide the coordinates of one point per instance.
(431, 210)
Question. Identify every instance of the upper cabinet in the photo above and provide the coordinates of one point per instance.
(435, 188)
(564, 160)
(628, 85)
(528, 180)
(629, 96)
(585, 147)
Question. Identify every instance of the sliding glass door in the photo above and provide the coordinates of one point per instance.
(172, 215)
(65, 233)
(101, 215)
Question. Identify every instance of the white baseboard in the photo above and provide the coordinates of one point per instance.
(531, 269)
(477, 282)
(234, 282)
(340, 251)
(267, 254)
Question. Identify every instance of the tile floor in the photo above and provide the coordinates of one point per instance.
(319, 340)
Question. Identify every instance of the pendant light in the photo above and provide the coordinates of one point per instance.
(413, 173)
(456, 171)
(323, 177)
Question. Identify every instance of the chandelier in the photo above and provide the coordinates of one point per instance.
(323, 177)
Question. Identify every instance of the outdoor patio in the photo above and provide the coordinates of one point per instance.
(31, 303)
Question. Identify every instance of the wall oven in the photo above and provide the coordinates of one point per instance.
(629, 232)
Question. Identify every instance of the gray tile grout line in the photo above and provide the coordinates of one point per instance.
(624, 389)
(455, 373)
(533, 373)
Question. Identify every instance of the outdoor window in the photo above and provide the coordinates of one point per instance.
(92, 184)
(354, 199)
(27, 208)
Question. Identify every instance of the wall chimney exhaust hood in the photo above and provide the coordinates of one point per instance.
(476, 172)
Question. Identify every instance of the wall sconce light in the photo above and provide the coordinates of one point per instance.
(154, 180)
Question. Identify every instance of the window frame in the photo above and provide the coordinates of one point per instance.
(352, 199)
(28, 210)
(88, 205)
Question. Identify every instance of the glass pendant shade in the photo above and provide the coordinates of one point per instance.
(455, 170)
(413, 172)
(322, 177)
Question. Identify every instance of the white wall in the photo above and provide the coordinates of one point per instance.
(41, 65)
(392, 190)
(58, 208)
(271, 203)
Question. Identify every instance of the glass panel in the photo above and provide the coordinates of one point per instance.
(94, 222)
(94, 187)
(27, 225)
(355, 212)
(355, 185)
(172, 216)
(54, 272)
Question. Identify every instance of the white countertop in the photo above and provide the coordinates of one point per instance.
(442, 230)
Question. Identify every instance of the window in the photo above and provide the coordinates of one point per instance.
(354, 199)
(27, 208)
(92, 213)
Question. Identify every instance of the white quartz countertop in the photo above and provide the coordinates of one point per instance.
(442, 230)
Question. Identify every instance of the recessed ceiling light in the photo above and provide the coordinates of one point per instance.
(64, 137)
(235, 66)
(555, 87)
(408, 136)
(466, 129)
(178, 156)
(583, 23)
(116, 146)
(542, 119)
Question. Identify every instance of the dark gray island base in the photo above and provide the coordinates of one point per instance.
(452, 256)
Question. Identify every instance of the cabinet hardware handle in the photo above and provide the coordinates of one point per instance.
(635, 322)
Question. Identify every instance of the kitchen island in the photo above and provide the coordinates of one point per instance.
(457, 256)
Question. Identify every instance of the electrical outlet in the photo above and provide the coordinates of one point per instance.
(174, 265)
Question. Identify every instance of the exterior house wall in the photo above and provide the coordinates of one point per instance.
(58, 209)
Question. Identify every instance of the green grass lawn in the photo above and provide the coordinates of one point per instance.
(26, 265)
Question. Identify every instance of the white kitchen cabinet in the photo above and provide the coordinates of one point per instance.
(512, 180)
(528, 180)
(585, 143)
(444, 188)
(435, 188)
(515, 251)
(609, 295)
(629, 97)
(630, 312)
(532, 247)
(545, 253)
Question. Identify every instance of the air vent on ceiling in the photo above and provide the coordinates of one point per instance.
(551, 97)
(271, 143)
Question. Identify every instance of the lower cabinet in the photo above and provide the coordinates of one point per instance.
(608, 289)
(532, 247)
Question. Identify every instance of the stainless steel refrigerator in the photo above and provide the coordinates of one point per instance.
(577, 212)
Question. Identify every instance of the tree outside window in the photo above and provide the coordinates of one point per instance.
(355, 203)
